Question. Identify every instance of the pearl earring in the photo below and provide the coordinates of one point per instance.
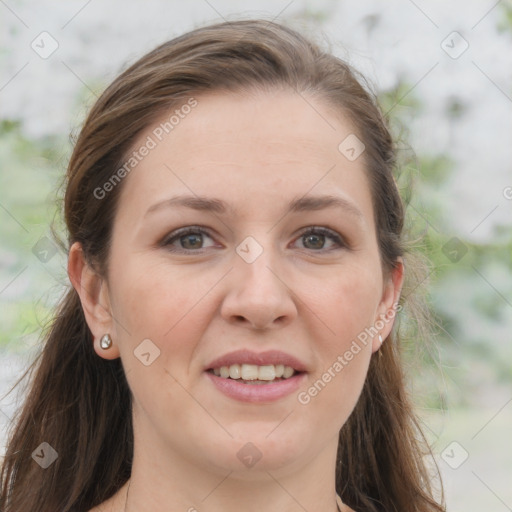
(106, 341)
(380, 338)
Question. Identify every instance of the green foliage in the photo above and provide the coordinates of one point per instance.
(505, 22)
(400, 98)
(28, 181)
(468, 283)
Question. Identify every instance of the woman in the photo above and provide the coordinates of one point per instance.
(236, 256)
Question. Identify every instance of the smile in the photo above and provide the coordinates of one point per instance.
(254, 374)
(256, 384)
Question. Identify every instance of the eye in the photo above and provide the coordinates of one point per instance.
(189, 239)
(315, 238)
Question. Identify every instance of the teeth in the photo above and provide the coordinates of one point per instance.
(288, 372)
(254, 372)
(267, 372)
(235, 371)
(249, 372)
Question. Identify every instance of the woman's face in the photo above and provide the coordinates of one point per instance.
(280, 268)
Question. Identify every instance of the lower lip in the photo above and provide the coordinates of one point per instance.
(257, 392)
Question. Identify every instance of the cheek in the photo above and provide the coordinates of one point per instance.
(346, 302)
(161, 304)
(155, 301)
(172, 308)
(347, 305)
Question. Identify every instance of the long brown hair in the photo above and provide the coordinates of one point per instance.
(80, 404)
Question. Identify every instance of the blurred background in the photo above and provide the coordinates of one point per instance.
(443, 74)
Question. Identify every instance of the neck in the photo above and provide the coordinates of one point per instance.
(339, 505)
(155, 484)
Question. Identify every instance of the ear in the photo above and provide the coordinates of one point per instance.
(387, 309)
(93, 292)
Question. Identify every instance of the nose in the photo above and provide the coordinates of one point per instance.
(258, 296)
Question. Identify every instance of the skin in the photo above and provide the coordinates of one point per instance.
(309, 298)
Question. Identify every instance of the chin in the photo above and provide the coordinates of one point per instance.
(257, 450)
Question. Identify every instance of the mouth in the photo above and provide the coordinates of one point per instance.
(252, 374)
(257, 377)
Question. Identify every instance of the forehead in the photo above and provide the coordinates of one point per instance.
(254, 151)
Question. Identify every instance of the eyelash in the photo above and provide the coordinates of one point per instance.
(314, 230)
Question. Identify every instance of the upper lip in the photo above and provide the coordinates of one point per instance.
(258, 358)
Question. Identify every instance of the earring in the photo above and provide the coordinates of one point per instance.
(106, 341)
(380, 338)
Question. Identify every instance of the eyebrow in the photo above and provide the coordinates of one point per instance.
(301, 204)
